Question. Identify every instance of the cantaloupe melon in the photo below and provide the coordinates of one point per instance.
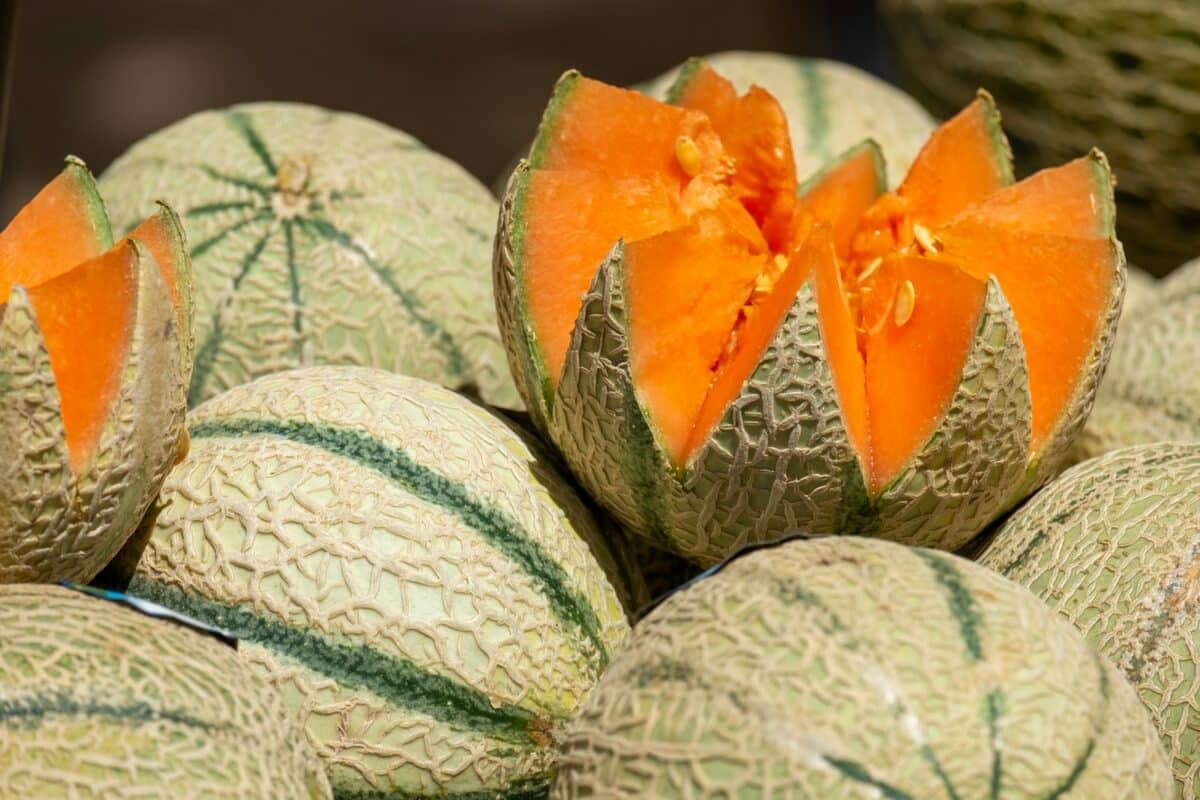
(322, 238)
(1113, 545)
(402, 565)
(101, 701)
(94, 338)
(1117, 74)
(850, 668)
(746, 360)
(1151, 391)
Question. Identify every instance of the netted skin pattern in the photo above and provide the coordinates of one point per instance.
(1114, 546)
(830, 106)
(100, 701)
(322, 238)
(797, 672)
(1119, 74)
(56, 524)
(402, 565)
(1151, 391)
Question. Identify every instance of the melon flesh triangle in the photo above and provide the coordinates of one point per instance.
(86, 319)
(63, 225)
(160, 235)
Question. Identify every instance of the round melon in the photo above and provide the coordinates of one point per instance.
(1141, 291)
(853, 668)
(1116, 74)
(95, 343)
(99, 700)
(722, 353)
(411, 574)
(830, 106)
(1151, 391)
(322, 238)
(1114, 546)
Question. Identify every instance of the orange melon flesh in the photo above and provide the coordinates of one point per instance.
(158, 235)
(842, 195)
(684, 291)
(61, 226)
(86, 319)
(1048, 247)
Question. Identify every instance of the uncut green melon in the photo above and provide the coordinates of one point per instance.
(95, 342)
(830, 106)
(852, 668)
(1151, 391)
(100, 701)
(321, 237)
(1116, 74)
(400, 563)
(1113, 545)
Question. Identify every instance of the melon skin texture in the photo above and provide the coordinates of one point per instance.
(797, 672)
(830, 106)
(1151, 391)
(781, 458)
(101, 701)
(402, 565)
(1112, 545)
(322, 238)
(57, 523)
(1119, 74)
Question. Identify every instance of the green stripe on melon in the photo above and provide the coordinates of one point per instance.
(853, 668)
(1113, 545)
(411, 573)
(321, 237)
(99, 700)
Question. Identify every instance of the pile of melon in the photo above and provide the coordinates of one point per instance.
(656, 477)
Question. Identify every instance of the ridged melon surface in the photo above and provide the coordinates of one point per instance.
(93, 378)
(830, 106)
(416, 580)
(322, 238)
(1113, 545)
(100, 701)
(1151, 391)
(1114, 74)
(852, 668)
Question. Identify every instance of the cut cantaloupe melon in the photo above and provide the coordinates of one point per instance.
(93, 374)
(723, 354)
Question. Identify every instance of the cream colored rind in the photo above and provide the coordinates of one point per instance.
(116, 704)
(322, 237)
(325, 543)
(1113, 546)
(58, 525)
(796, 672)
(1151, 391)
(830, 106)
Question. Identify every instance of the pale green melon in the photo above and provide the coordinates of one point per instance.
(1114, 546)
(1141, 292)
(830, 106)
(100, 701)
(402, 565)
(322, 238)
(1114, 74)
(65, 522)
(851, 668)
(1151, 391)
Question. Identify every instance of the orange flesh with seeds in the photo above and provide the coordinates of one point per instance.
(717, 244)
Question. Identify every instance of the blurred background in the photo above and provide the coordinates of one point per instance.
(467, 77)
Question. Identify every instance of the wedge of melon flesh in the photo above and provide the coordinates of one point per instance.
(86, 319)
(63, 225)
(161, 236)
(841, 194)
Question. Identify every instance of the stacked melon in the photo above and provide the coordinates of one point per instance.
(95, 353)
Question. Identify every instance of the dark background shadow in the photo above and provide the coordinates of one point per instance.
(467, 77)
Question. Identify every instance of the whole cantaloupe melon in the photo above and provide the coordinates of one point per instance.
(855, 668)
(322, 238)
(403, 565)
(100, 701)
(1113, 545)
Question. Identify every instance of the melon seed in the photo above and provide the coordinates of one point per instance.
(926, 239)
(687, 153)
(906, 301)
(871, 268)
